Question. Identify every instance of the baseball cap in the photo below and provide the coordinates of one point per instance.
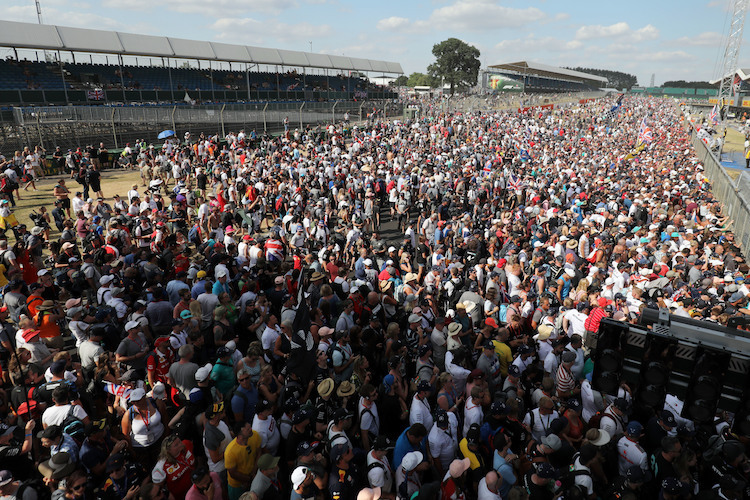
(514, 371)
(338, 452)
(202, 373)
(668, 419)
(304, 449)
(634, 428)
(186, 314)
(298, 476)
(424, 386)
(267, 461)
(382, 443)
(498, 408)
(441, 418)
(545, 471)
(635, 474)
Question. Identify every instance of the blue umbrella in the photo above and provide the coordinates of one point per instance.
(165, 133)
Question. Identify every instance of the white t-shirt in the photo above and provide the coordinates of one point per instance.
(420, 412)
(484, 493)
(442, 445)
(55, 415)
(269, 433)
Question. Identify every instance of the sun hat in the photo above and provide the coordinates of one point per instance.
(458, 467)
(57, 467)
(325, 388)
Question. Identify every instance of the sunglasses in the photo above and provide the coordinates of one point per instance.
(79, 486)
(243, 379)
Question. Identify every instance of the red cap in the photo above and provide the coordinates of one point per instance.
(490, 322)
(29, 334)
(604, 302)
(501, 262)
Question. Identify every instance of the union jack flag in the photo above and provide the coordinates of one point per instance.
(95, 95)
(488, 166)
(645, 135)
(515, 183)
(713, 116)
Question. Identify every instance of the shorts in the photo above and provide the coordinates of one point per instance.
(65, 202)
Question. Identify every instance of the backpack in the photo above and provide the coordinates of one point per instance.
(503, 313)
(33, 489)
(596, 420)
(398, 294)
(73, 426)
(568, 476)
(338, 289)
(78, 283)
(329, 353)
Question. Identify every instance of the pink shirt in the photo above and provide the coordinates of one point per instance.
(194, 494)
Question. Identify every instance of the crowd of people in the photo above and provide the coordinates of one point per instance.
(399, 310)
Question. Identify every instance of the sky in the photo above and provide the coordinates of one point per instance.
(668, 39)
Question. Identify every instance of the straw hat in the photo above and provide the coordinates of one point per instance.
(345, 389)
(325, 388)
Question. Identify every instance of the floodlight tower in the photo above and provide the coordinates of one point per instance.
(732, 52)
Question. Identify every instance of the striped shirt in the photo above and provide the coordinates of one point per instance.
(565, 380)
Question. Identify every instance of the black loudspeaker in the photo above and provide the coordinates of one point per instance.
(706, 384)
(608, 357)
(656, 368)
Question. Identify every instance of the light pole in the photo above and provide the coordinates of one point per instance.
(310, 46)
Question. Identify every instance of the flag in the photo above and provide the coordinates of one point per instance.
(95, 95)
(736, 84)
(187, 99)
(488, 167)
(614, 110)
(713, 116)
(645, 135)
(515, 183)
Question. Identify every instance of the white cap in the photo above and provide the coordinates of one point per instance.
(106, 279)
(130, 325)
(137, 394)
(220, 273)
(391, 249)
(298, 476)
(231, 345)
(42, 272)
(367, 262)
(203, 372)
(570, 272)
(411, 460)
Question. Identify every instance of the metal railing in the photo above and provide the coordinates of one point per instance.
(734, 195)
(74, 126)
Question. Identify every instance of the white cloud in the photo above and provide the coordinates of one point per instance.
(259, 6)
(27, 14)
(466, 15)
(705, 39)
(393, 23)
(248, 30)
(665, 56)
(562, 16)
(617, 30)
(533, 44)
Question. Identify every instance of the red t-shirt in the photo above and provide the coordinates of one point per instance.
(160, 365)
(178, 471)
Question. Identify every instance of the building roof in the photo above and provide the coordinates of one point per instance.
(49, 37)
(539, 69)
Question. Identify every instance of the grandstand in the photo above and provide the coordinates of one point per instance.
(531, 77)
(286, 77)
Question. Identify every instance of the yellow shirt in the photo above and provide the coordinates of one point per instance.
(463, 445)
(3, 278)
(505, 356)
(242, 458)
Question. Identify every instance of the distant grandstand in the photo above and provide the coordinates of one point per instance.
(285, 75)
(531, 77)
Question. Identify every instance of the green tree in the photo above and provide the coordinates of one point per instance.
(417, 79)
(401, 81)
(457, 63)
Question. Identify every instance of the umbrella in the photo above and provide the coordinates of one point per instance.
(165, 133)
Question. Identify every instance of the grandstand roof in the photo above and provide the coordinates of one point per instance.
(539, 69)
(744, 74)
(49, 37)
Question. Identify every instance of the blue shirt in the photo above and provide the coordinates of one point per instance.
(173, 290)
(504, 470)
(66, 444)
(404, 446)
(198, 288)
(219, 288)
(245, 405)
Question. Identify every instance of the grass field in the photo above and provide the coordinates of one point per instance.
(113, 182)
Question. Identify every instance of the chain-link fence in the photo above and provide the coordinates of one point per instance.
(74, 126)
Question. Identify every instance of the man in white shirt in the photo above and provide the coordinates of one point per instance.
(473, 413)
(539, 419)
(582, 471)
(379, 469)
(56, 415)
(420, 408)
(265, 425)
(443, 444)
(629, 451)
